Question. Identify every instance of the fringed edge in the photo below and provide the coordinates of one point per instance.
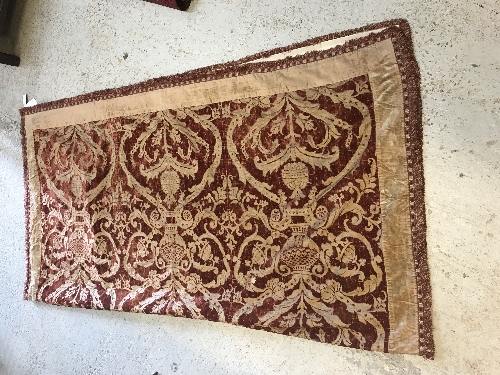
(410, 76)
(231, 69)
(26, 209)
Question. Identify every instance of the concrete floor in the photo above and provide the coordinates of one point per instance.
(74, 47)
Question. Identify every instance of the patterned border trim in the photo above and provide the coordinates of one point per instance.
(26, 209)
(399, 32)
(236, 68)
(410, 75)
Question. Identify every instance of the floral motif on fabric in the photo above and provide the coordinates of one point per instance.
(262, 212)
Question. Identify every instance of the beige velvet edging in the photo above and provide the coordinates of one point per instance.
(379, 62)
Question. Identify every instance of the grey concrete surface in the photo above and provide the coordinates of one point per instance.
(77, 46)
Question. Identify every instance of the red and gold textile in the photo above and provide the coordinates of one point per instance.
(282, 192)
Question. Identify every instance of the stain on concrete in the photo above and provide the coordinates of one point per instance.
(491, 143)
(492, 217)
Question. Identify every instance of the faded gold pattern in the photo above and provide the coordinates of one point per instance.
(262, 212)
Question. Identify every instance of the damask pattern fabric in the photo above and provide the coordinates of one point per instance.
(282, 192)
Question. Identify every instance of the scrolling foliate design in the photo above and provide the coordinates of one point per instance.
(314, 255)
(262, 212)
(76, 164)
(172, 157)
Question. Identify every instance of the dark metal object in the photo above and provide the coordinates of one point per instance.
(7, 59)
(174, 4)
(10, 16)
(6, 11)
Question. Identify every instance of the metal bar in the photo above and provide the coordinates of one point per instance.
(7, 59)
